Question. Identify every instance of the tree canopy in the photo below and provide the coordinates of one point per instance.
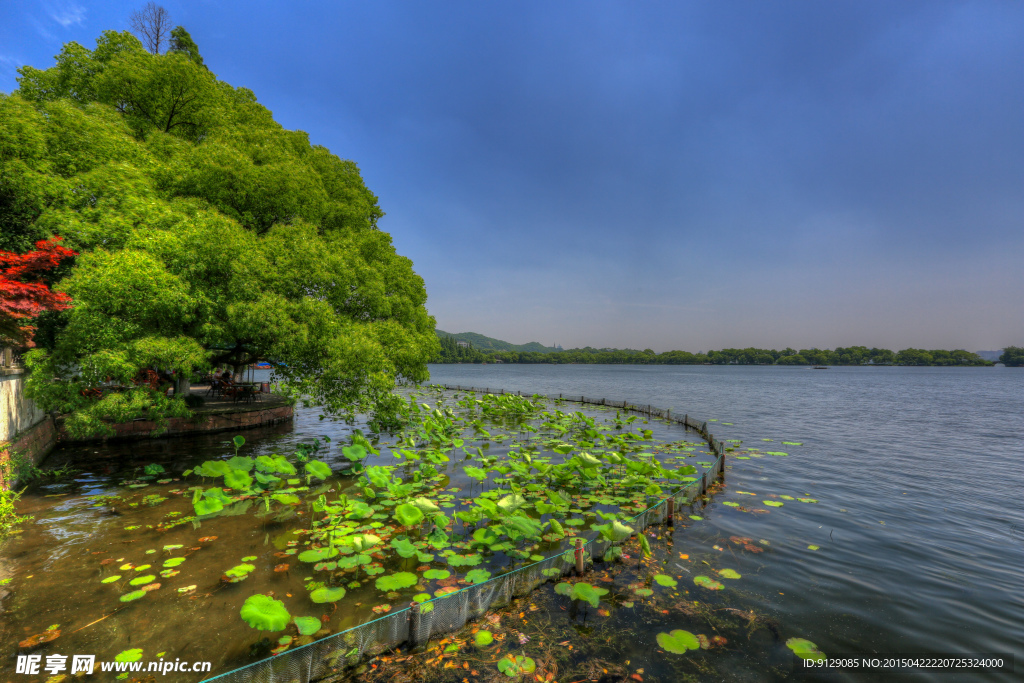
(1012, 356)
(208, 234)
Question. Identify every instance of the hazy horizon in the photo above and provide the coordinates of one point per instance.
(665, 175)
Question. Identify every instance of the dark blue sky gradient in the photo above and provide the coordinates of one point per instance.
(665, 175)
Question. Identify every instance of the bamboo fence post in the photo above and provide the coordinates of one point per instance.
(414, 624)
(579, 557)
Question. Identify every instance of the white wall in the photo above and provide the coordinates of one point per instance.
(17, 413)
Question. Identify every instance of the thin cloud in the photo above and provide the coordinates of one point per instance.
(66, 13)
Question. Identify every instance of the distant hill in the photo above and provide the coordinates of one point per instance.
(990, 355)
(482, 343)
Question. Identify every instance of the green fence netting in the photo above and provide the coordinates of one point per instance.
(331, 656)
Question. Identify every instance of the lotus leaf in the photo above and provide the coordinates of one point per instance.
(318, 469)
(773, 503)
(729, 574)
(421, 597)
(483, 638)
(264, 613)
(643, 592)
(814, 547)
(238, 573)
(307, 625)
(134, 595)
(355, 452)
(805, 649)
(240, 462)
(318, 554)
(286, 498)
(408, 515)
(678, 641)
(708, 582)
(129, 655)
(174, 561)
(110, 579)
(436, 574)
(396, 581)
(324, 594)
(588, 593)
(142, 580)
(212, 468)
(477, 575)
(464, 560)
(665, 580)
(511, 502)
(563, 588)
(238, 480)
(403, 546)
(515, 666)
(425, 505)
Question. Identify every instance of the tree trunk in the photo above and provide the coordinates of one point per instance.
(182, 384)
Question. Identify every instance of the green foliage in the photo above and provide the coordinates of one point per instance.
(678, 641)
(483, 349)
(208, 235)
(264, 613)
(1012, 357)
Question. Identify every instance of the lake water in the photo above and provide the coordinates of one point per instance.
(919, 528)
(918, 472)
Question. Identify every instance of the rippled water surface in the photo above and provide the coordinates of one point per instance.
(918, 472)
(919, 527)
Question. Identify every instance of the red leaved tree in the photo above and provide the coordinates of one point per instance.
(23, 295)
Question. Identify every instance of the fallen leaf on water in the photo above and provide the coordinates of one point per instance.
(207, 539)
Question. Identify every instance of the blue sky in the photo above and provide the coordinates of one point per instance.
(666, 175)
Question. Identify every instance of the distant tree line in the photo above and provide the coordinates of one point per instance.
(451, 352)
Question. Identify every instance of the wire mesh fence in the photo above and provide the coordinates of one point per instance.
(327, 659)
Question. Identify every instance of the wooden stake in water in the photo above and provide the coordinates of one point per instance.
(414, 623)
(579, 557)
(671, 509)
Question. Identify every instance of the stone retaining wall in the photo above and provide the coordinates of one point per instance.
(220, 421)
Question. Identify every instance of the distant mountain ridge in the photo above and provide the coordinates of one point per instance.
(483, 343)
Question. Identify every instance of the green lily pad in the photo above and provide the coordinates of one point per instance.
(322, 595)
(142, 580)
(134, 595)
(111, 579)
(477, 575)
(464, 560)
(644, 592)
(792, 443)
(174, 561)
(697, 518)
(129, 655)
(318, 469)
(483, 638)
(773, 503)
(238, 573)
(318, 554)
(786, 497)
(143, 567)
(421, 597)
(708, 582)
(563, 588)
(807, 500)
(515, 666)
(588, 593)
(678, 641)
(263, 613)
(730, 504)
(805, 649)
(307, 625)
(436, 574)
(665, 580)
(729, 574)
(776, 453)
(814, 547)
(408, 514)
(397, 581)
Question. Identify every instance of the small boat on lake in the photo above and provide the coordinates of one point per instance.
(821, 367)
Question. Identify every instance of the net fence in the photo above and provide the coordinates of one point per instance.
(328, 659)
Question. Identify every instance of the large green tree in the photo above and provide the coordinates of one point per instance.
(1012, 356)
(208, 234)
